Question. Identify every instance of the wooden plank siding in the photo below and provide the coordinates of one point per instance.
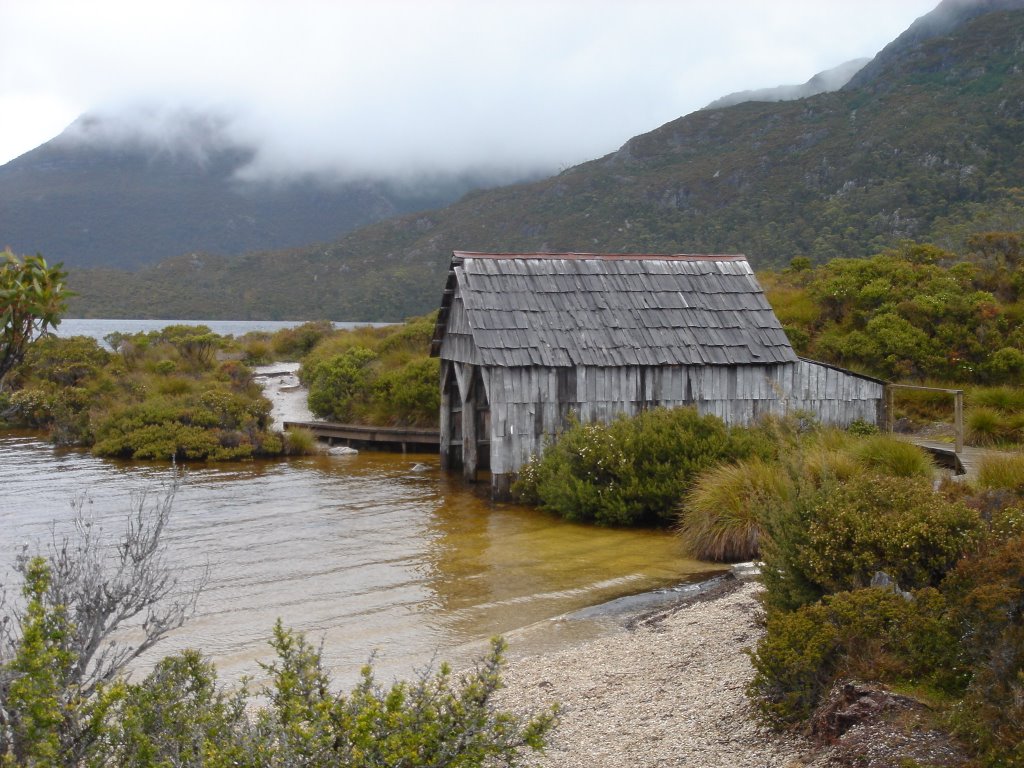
(736, 394)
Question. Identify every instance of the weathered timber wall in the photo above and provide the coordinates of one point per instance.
(528, 405)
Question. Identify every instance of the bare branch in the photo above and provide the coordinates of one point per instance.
(115, 589)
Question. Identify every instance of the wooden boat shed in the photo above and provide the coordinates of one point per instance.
(525, 340)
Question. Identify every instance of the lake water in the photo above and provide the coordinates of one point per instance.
(370, 553)
(363, 551)
(98, 328)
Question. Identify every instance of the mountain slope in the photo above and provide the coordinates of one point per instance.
(89, 200)
(928, 147)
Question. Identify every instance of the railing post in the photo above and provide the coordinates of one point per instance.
(890, 407)
(958, 421)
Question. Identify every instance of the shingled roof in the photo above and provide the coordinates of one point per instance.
(567, 309)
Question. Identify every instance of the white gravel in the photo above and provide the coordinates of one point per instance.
(670, 693)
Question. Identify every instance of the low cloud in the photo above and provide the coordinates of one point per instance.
(403, 88)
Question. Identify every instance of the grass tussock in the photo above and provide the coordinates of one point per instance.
(1002, 473)
(720, 518)
(893, 457)
(300, 441)
(988, 426)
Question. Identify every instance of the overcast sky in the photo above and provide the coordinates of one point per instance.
(426, 85)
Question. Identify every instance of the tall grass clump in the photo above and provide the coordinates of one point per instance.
(720, 518)
(1005, 399)
(821, 463)
(299, 441)
(988, 426)
(1002, 473)
(893, 457)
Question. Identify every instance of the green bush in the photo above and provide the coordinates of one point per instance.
(834, 537)
(340, 387)
(987, 592)
(871, 633)
(862, 428)
(411, 395)
(212, 425)
(295, 343)
(68, 362)
(633, 471)
(720, 518)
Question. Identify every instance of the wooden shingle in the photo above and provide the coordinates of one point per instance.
(601, 310)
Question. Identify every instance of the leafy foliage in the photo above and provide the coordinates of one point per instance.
(950, 627)
(836, 536)
(61, 657)
(375, 375)
(912, 312)
(869, 632)
(32, 299)
(162, 395)
(632, 471)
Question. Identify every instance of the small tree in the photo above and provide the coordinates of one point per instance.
(61, 652)
(32, 298)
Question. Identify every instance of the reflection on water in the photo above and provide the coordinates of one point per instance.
(361, 551)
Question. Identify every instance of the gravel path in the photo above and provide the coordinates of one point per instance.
(281, 386)
(669, 693)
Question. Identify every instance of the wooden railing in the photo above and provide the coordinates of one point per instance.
(958, 409)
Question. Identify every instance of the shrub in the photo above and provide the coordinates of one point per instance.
(893, 457)
(862, 428)
(256, 351)
(411, 395)
(871, 633)
(294, 343)
(68, 362)
(720, 518)
(632, 471)
(835, 537)
(341, 385)
(987, 592)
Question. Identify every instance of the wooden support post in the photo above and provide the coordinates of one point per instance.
(446, 418)
(469, 429)
(958, 420)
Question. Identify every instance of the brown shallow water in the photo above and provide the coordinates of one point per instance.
(367, 553)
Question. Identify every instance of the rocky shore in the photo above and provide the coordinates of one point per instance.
(668, 693)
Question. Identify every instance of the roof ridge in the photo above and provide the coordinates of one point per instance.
(603, 256)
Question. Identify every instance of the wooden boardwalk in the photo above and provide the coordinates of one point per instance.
(965, 463)
(404, 439)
